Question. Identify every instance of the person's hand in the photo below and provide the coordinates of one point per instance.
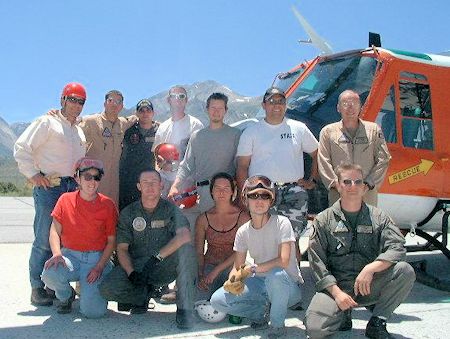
(94, 274)
(39, 180)
(173, 191)
(344, 301)
(55, 260)
(202, 284)
(210, 277)
(137, 278)
(306, 184)
(363, 282)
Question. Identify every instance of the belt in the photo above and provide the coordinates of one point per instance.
(202, 183)
(284, 184)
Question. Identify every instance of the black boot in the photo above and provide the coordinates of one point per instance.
(39, 297)
(376, 329)
(66, 306)
(185, 319)
(346, 324)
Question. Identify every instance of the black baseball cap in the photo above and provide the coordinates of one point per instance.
(271, 92)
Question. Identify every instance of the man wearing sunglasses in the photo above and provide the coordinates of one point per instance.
(355, 140)
(46, 153)
(177, 129)
(274, 147)
(357, 256)
(104, 134)
(82, 239)
(275, 279)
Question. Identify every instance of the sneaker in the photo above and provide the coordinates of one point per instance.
(66, 306)
(169, 298)
(124, 307)
(39, 297)
(259, 325)
(276, 332)
(346, 324)
(376, 329)
(185, 319)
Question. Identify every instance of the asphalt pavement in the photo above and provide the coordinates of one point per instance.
(425, 313)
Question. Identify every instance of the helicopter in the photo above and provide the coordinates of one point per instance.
(405, 93)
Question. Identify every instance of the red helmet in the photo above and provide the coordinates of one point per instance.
(74, 89)
(186, 198)
(167, 157)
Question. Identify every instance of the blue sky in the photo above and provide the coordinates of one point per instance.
(144, 47)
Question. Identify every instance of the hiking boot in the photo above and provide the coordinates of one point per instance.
(276, 332)
(376, 329)
(260, 324)
(185, 319)
(138, 309)
(50, 292)
(39, 297)
(346, 324)
(169, 298)
(65, 307)
(124, 307)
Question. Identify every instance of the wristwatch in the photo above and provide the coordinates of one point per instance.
(159, 257)
(253, 269)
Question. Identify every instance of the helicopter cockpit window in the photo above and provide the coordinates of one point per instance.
(415, 105)
(314, 101)
(285, 80)
(386, 117)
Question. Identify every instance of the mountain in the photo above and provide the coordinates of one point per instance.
(7, 139)
(239, 107)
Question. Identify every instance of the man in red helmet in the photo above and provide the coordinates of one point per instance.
(46, 153)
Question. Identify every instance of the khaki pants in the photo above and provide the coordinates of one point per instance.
(388, 290)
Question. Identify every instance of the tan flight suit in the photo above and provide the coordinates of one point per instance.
(104, 142)
(339, 251)
(368, 149)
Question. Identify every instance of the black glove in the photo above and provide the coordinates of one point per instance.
(150, 264)
(137, 278)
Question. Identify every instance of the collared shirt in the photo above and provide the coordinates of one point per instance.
(367, 148)
(338, 252)
(51, 145)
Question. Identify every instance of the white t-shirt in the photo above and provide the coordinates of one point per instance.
(263, 244)
(177, 133)
(277, 150)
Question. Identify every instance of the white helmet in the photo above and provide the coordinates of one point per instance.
(208, 313)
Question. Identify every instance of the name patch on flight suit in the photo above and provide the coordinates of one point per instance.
(157, 223)
(361, 140)
(134, 138)
(139, 224)
(341, 227)
(149, 139)
(364, 229)
(344, 140)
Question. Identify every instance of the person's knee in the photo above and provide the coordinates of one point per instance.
(218, 300)
(276, 278)
(313, 325)
(405, 271)
(50, 276)
(93, 312)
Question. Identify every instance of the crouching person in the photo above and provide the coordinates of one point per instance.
(153, 248)
(82, 238)
(357, 257)
(262, 291)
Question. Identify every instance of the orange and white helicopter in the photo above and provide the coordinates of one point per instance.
(406, 93)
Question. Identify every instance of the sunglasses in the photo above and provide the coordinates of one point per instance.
(89, 177)
(114, 101)
(273, 101)
(346, 104)
(76, 100)
(179, 96)
(263, 196)
(350, 182)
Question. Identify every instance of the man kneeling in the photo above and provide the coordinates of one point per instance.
(84, 223)
(357, 256)
(154, 248)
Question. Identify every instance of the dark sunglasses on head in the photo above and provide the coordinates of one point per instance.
(76, 100)
(263, 196)
(350, 182)
(180, 96)
(89, 177)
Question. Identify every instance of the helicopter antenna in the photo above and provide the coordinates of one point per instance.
(314, 38)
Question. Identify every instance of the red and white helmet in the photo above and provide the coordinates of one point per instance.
(208, 313)
(167, 157)
(74, 89)
(187, 198)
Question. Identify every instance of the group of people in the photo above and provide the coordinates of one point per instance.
(182, 188)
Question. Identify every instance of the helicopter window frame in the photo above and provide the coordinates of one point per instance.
(386, 117)
(416, 111)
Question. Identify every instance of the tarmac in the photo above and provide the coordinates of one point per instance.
(425, 313)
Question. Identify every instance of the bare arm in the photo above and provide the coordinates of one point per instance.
(55, 245)
(314, 175)
(124, 258)
(239, 259)
(200, 235)
(183, 236)
(97, 270)
(365, 277)
(243, 164)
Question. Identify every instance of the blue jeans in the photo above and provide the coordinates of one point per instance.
(44, 202)
(79, 264)
(277, 288)
(216, 284)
